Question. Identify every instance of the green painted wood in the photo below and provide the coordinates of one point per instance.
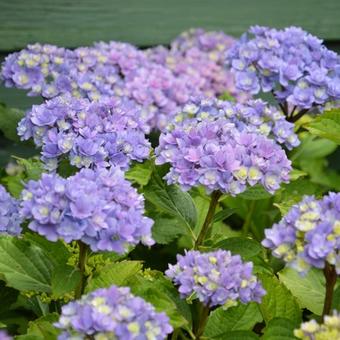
(72, 23)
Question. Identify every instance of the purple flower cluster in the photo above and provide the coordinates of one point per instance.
(98, 207)
(311, 330)
(4, 336)
(309, 234)
(197, 57)
(291, 63)
(255, 116)
(215, 154)
(10, 219)
(103, 133)
(216, 278)
(112, 313)
(89, 72)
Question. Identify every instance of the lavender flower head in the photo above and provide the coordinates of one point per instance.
(98, 207)
(112, 313)
(104, 133)
(308, 235)
(217, 155)
(292, 63)
(9, 214)
(197, 58)
(311, 330)
(216, 278)
(254, 116)
(4, 335)
(89, 72)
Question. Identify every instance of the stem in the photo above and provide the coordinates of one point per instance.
(204, 314)
(295, 118)
(83, 248)
(208, 219)
(247, 221)
(330, 275)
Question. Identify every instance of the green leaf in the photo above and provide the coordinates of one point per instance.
(7, 297)
(114, 273)
(326, 125)
(257, 192)
(241, 317)
(9, 119)
(139, 173)
(279, 329)
(278, 301)
(223, 214)
(336, 299)
(166, 229)
(309, 290)
(33, 167)
(171, 200)
(64, 280)
(237, 335)
(243, 246)
(296, 174)
(25, 266)
(43, 327)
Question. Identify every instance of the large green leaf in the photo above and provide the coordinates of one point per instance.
(279, 329)
(171, 199)
(25, 266)
(326, 125)
(65, 279)
(243, 246)
(139, 173)
(117, 273)
(9, 119)
(309, 289)
(237, 335)
(278, 301)
(241, 317)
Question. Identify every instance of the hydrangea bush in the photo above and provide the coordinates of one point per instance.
(162, 198)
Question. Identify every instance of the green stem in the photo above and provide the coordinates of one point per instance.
(203, 318)
(208, 219)
(247, 221)
(330, 275)
(83, 250)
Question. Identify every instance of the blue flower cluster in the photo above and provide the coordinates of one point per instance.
(254, 116)
(309, 235)
(215, 154)
(112, 313)
(215, 278)
(197, 57)
(103, 133)
(329, 329)
(89, 72)
(98, 207)
(291, 63)
(10, 219)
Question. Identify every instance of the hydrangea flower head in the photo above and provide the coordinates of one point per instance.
(216, 278)
(98, 207)
(291, 63)
(112, 313)
(103, 133)
(197, 57)
(10, 219)
(216, 154)
(254, 116)
(311, 330)
(4, 335)
(309, 234)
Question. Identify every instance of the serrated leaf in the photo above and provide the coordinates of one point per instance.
(25, 266)
(257, 192)
(9, 119)
(326, 125)
(243, 246)
(279, 329)
(237, 335)
(139, 173)
(278, 301)
(309, 290)
(117, 273)
(65, 279)
(171, 200)
(241, 317)
(165, 229)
